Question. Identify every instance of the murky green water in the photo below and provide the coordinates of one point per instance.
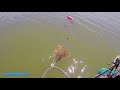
(27, 47)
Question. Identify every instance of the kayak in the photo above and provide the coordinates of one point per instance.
(70, 18)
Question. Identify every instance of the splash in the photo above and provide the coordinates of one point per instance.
(79, 76)
(83, 69)
(71, 69)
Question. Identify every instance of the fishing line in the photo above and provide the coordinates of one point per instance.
(55, 67)
(69, 31)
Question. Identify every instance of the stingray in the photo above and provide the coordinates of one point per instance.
(60, 53)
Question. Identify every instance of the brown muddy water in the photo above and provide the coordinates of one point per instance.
(28, 39)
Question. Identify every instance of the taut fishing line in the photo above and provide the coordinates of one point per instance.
(55, 67)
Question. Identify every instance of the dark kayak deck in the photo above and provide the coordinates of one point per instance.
(117, 73)
(104, 74)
